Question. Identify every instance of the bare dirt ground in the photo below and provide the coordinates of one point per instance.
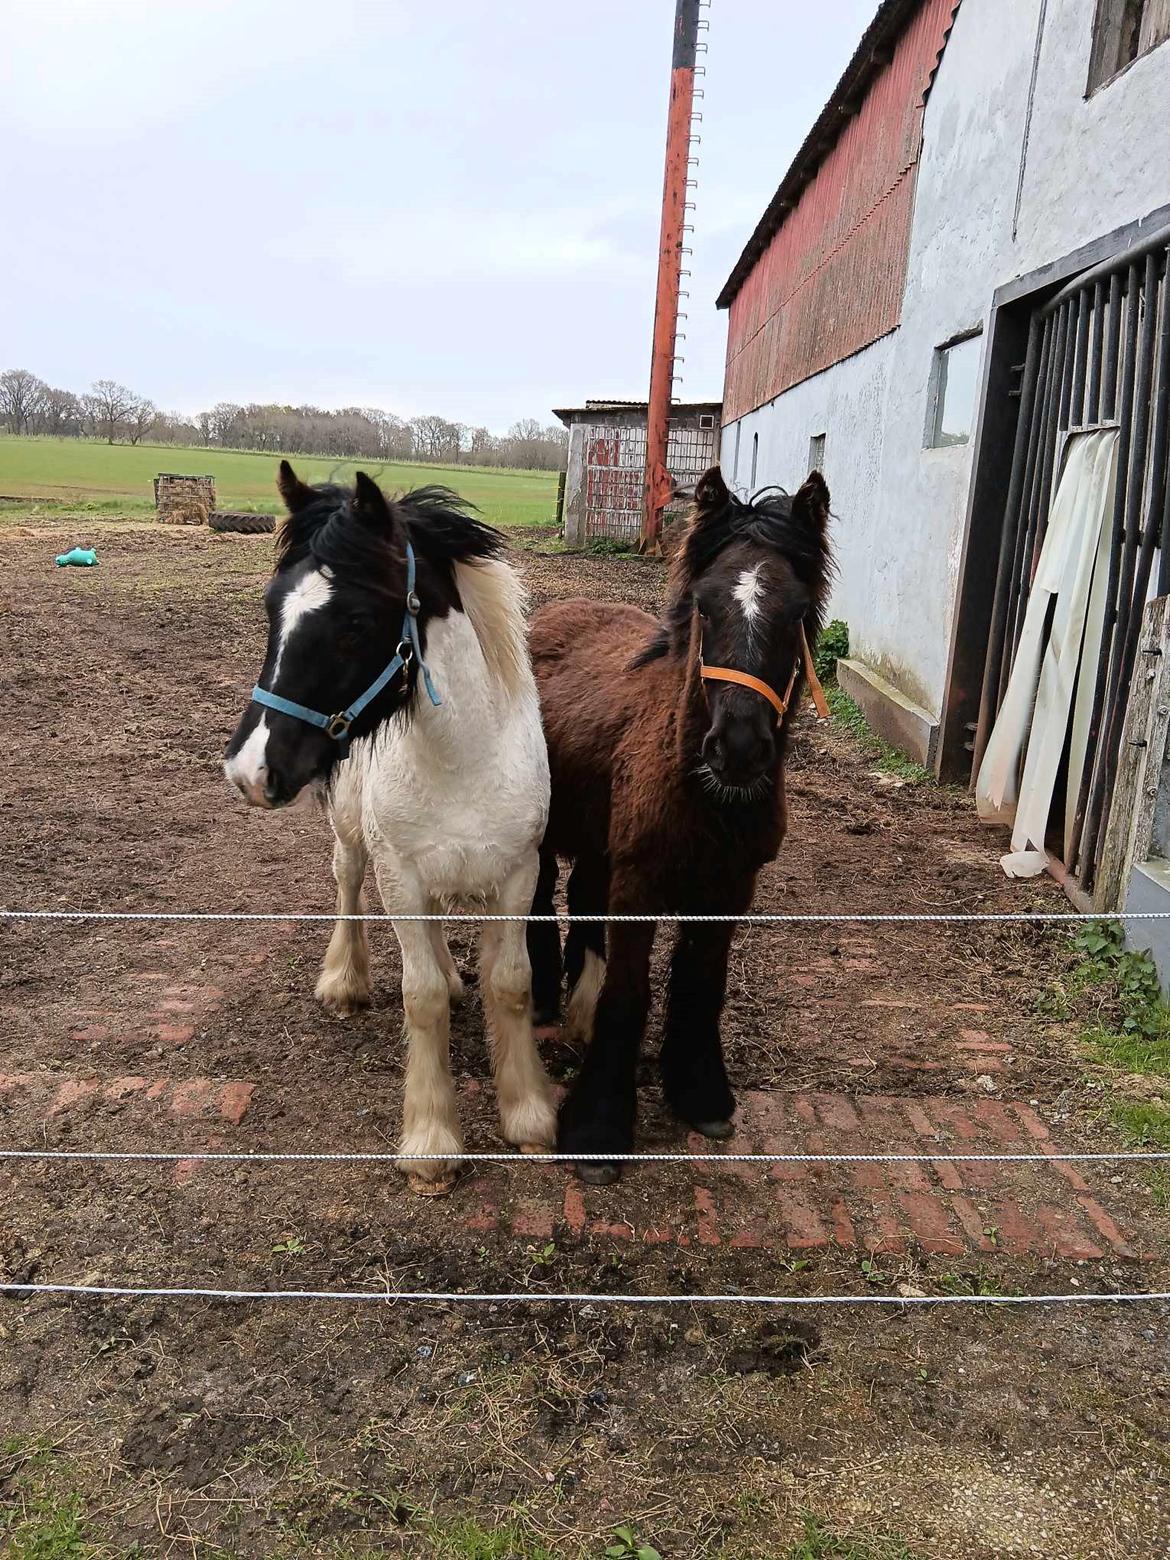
(526, 1430)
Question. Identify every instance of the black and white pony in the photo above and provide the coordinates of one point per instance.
(397, 680)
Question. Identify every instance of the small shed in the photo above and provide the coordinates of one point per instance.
(607, 462)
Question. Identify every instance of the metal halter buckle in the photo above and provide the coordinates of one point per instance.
(338, 727)
(413, 604)
(405, 652)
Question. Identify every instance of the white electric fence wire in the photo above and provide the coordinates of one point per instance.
(187, 1156)
(760, 918)
(529, 1297)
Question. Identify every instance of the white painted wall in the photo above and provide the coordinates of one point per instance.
(1092, 165)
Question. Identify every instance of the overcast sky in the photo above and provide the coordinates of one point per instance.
(426, 205)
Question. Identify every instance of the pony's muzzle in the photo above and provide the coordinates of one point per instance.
(739, 751)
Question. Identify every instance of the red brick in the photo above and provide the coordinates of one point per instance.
(191, 1096)
(927, 1217)
(185, 1171)
(175, 1005)
(974, 1041)
(972, 1007)
(234, 1099)
(1066, 1239)
(119, 1088)
(1016, 1232)
(574, 1207)
(91, 1033)
(16, 1081)
(948, 1174)
(707, 1233)
(614, 1231)
(486, 1216)
(802, 1228)
(843, 1232)
(175, 1034)
(72, 1090)
(751, 1237)
(533, 1220)
(1106, 1226)
(972, 1221)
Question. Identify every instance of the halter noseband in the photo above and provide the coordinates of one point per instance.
(766, 691)
(409, 650)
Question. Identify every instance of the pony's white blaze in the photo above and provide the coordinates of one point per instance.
(309, 595)
(248, 769)
(748, 591)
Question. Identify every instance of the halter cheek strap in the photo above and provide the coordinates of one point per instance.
(745, 680)
(409, 650)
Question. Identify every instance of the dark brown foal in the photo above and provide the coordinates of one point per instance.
(668, 795)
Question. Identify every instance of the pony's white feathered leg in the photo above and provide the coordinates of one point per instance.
(344, 983)
(528, 1116)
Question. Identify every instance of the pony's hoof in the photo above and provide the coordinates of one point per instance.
(342, 998)
(422, 1187)
(546, 1031)
(597, 1172)
(720, 1130)
(535, 1148)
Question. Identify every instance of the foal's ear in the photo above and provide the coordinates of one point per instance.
(811, 503)
(711, 492)
(369, 503)
(296, 494)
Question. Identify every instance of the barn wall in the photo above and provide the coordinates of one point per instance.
(831, 280)
(1092, 165)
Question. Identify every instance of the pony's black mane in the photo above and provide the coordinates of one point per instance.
(766, 518)
(438, 522)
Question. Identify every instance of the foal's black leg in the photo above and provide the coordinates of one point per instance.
(544, 946)
(587, 893)
(694, 1079)
(597, 1115)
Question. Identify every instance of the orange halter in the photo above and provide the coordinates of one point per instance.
(757, 685)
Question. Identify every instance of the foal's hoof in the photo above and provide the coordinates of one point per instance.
(720, 1130)
(597, 1172)
(422, 1187)
(535, 1148)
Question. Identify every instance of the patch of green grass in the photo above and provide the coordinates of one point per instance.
(821, 1543)
(889, 759)
(832, 646)
(38, 1519)
(1143, 1123)
(466, 1539)
(608, 547)
(120, 477)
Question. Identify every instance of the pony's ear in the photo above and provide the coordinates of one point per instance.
(811, 503)
(369, 503)
(297, 495)
(711, 492)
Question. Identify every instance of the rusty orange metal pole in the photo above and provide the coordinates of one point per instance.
(658, 486)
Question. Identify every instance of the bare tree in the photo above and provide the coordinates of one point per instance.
(140, 417)
(109, 406)
(21, 397)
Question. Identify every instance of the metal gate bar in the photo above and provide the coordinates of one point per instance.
(1098, 355)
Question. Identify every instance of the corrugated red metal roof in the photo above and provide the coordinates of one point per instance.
(872, 55)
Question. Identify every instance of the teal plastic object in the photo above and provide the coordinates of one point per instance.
(82, 557)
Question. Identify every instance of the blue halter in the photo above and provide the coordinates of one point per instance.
(409, 650)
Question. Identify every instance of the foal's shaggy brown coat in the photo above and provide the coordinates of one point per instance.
(668, 794)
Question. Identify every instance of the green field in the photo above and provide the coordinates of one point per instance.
(119, 477)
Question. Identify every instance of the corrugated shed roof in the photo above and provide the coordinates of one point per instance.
(565, 412)
(870, 56)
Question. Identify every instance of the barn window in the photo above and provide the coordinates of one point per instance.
(954, 392)
(816, 453)
(755, 458)
(1124, 30)
(706, 419)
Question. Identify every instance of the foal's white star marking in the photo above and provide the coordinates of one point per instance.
(748, 591)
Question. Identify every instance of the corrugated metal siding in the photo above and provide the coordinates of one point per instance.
(832, 278)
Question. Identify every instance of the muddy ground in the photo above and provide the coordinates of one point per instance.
(524, 1429)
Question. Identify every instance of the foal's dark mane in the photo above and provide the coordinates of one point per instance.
(438, 522)
(766, 518)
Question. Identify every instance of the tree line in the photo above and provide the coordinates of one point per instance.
(117, 415)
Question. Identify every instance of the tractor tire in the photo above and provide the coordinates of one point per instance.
(245, 524)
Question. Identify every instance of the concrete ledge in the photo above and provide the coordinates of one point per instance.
(1149, 889)
(891, 714)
